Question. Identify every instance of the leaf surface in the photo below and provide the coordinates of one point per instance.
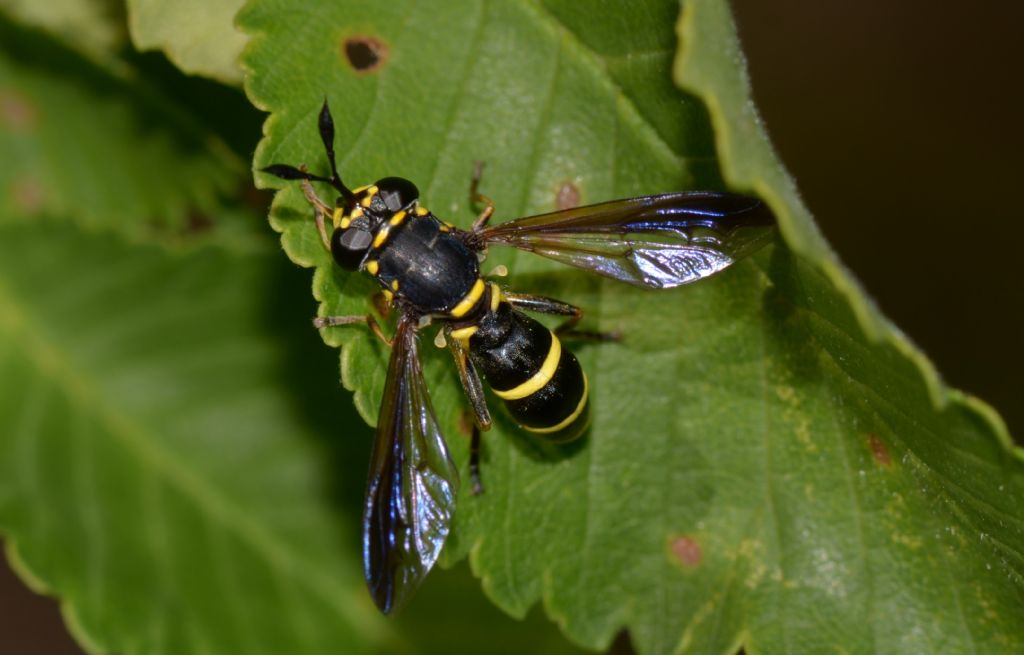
(197, 35)
(90, 26)
(100, 148)
(147, 430)
(162, 472)
(770, 463)
(168, 472)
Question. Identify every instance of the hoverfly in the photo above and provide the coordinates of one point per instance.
(429, 271)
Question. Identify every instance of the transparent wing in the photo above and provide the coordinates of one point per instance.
(654, 241)
(410, 495)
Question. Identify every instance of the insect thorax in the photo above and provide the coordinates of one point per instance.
(425, 264)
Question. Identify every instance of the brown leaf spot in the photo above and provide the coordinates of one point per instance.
(27, 195)
(686, 550)
(198, 222)
(879, 450)
(17, 111)
(365, 54)
(568, 196)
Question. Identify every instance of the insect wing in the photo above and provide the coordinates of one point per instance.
(653, 241)
(410, 495)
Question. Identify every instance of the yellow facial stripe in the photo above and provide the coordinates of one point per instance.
(394, 284)
(336, 217)
(471, 299)
(397, 218)
(422, 211)
(388, 296)
(463, 334)
(372, 267)
(572, 417)
(382, 236)
(495, 296)
(540, 378)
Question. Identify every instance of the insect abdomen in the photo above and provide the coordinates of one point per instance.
(542, 383)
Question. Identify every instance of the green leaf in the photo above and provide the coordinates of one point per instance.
(92, 27)
(186, 440)
(941, 538)
(102, 149)
(148, 429)
(197, 35)
(770, 463)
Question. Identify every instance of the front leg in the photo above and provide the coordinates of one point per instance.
(334, 321)
(475, 197)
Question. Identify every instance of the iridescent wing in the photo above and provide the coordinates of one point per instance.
(410, 495)
(654, 241)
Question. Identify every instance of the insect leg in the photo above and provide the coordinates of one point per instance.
(333, 321)
(471, 383)
(474, 462)
(381, 303)
(475, 197)
(545, 305)
(320, 211)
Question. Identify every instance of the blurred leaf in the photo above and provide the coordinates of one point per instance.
(769, 463)
(93, 27)
(197, 35)
(150, 427)
(85, 144)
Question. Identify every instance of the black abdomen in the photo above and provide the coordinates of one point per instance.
(542, 384)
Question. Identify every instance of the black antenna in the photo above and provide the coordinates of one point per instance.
(327, 136)
(288, 172)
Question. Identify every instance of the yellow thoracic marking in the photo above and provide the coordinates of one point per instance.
(388, 296)
(337, 217)
(372, 267)
(471, 299)
(495, 296)
(382, 236)
(422, 211)
(360, 189)
(463, 334)
(540, 378)
(394, 284)
(397, 218)
(371, 191)
(572, 417)
(346, 221)
(445, 227)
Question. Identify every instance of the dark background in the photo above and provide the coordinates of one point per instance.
(901, 123)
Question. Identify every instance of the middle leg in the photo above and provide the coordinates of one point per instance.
(545, 305)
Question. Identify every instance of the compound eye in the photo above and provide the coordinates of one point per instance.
(349, 246)
(397, 192)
